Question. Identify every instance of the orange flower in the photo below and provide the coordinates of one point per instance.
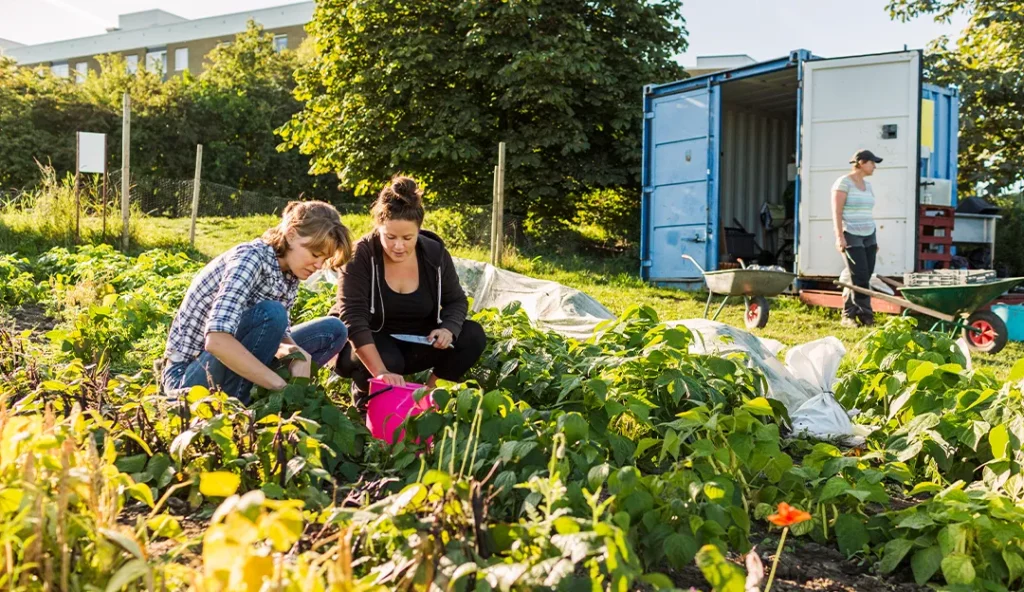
(787, 515)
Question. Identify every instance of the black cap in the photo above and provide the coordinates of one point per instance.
(863, 155)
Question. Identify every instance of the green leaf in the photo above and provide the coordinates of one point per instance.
(1014, 563)
(680, 549)
(645, 445)
(915, 521)
(671, 446)
(597, 476)
(574, 427)
(833, 488)
(1017, 372)
(999, 440)
(958, 568)
(918, 370)
(427, 424)
(219, 484)
(893, 553)
(925, 563)
(657, 581)
(925, 487)
(293, 468)
(722, 575)
(952, 538)
(129, 572)
(759, 406)
(132, 464)
(143, 493)
(163, 525)
(126, 542)
(135, 438)
(851, 534)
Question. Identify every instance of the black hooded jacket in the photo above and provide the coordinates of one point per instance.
(360, 304)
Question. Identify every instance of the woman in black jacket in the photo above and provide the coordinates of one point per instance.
(401, 287)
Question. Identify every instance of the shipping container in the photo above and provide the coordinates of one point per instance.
(749, 156)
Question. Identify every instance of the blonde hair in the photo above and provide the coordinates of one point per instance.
(318, 221)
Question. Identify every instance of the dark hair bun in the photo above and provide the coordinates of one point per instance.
(405, 190)
(401, 199)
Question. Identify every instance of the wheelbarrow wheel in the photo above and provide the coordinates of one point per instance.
(756, 315)
(985, 332)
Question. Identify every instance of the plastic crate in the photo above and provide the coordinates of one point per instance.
(948, 277)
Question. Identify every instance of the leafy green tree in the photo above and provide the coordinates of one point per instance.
(987, 64)
(233, 108)
(242, 96)
(430, 87)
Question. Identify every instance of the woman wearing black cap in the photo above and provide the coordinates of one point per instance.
(852, 203)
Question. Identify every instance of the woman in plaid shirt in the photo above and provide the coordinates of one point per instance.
(234, 322)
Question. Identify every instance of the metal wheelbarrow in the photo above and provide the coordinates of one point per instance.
(956, 309)
(754, 285)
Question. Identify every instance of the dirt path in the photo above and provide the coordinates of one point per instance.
(31, 317)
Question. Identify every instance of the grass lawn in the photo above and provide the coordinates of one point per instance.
(612, 279)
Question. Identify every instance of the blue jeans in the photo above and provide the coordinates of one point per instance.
(260, 330)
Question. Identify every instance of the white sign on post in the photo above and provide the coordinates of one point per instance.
(92, 152)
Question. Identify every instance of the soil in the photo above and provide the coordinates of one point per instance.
(32, 317)
(192, 528)
(808, 566)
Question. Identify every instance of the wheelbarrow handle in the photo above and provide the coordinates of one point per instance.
(694, 261)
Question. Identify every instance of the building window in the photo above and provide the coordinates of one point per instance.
(181, 59)
(280, 42)
(132, 63)
(156, 61)
(81, 72)
(59, 70)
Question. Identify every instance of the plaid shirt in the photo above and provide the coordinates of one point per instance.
(228, 286)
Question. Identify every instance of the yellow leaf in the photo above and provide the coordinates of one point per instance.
(219, 483)
(253, 573)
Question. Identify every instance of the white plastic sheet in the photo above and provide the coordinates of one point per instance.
(804, 385)
(821, 416)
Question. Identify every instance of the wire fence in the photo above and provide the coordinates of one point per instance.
(173, 198)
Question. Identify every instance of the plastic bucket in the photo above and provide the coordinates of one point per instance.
(390, 405)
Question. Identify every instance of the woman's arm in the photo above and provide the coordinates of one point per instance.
(838, 203)
(298, 368)
(239, 360)
(370, 358)
(454, 304)
(355, 291)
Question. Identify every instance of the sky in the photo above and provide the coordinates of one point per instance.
(762, 29)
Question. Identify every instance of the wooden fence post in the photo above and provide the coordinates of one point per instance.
(498, 209)
(125, 167)
(195, 195)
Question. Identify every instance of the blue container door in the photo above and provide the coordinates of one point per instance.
(680, 206)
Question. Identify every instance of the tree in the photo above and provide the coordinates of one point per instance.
(233, 108)
(987, 65)
(430, 87)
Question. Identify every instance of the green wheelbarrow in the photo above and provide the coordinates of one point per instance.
(754, 285)
(956, 308)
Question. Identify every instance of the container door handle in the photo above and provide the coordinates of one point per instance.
(697, 238)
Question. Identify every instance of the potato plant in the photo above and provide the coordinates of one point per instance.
(611, 463)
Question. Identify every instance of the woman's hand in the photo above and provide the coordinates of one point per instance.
(297, 367)
(442, 338)
(391, 379)
(300, 367)
(840, 243)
